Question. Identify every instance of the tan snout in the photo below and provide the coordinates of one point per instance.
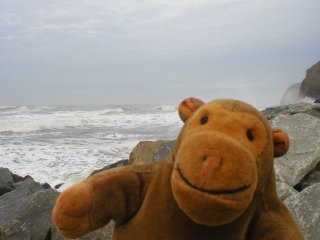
(213, 160)
(214, 173)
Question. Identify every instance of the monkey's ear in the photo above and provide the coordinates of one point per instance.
(188, 107)
(280, 142)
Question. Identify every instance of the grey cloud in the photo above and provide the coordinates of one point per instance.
(85, 48)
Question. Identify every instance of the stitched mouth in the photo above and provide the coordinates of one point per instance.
(209, 191)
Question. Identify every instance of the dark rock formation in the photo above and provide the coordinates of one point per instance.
(6, 181)
(26, 207)
(25, 211)
(310, 86)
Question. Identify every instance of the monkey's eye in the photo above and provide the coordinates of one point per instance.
(250, 135)
(204, 120)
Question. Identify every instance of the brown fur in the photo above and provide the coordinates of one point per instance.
(218, 183)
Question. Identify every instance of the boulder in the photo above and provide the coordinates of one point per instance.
(25, 212)
(6, 181)
(305, 207)
(163, 151)
(311, 178)
(283, 189)
(26, 208)
(307, 108)
(304, 152)
(310, 86)
(144, 152)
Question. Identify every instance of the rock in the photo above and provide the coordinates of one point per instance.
(308, 108)
(164, 150)
(25, 212)
(312, 178)
(284, 190)
(304, 151)
(46, 185)
(104, 233)
(291, 95)
(310, 86)
(305, 207)
(17, 178)
(58, 186)
(144, 151)
(6, 181)
(120, 163)
(317, 101)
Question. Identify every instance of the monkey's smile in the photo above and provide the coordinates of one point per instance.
(209, 191)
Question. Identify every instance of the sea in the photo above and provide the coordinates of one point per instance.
(64, 144)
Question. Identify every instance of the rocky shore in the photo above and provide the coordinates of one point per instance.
(25, 205)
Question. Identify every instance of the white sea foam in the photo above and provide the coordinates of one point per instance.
(6, 107)
(65, 144)
(168, 108)
(60, 163)
(65, 119)
(307, 100)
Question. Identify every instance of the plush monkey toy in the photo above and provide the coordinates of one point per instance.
(217, 183)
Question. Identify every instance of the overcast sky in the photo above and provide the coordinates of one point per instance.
(154, 51)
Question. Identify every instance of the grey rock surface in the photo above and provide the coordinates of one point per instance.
(311, 178)
(304, 152)
(26, 208)
(283, 189)
(302, 107)
(6, 181)
(25, 212)
(310, 86)
(163, 150)
(305, 207)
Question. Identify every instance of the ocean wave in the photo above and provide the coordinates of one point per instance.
(108, 118)
(167, 108)
(65, 144)
(112, 110)
(6, 107)
(15, 110)
(18, 110)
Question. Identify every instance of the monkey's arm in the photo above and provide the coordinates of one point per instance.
(113, 194)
